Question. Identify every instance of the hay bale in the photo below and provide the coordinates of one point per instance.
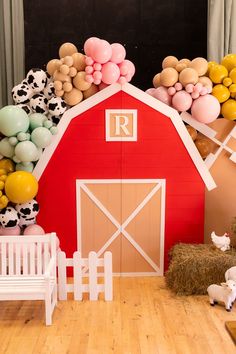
(194, 267)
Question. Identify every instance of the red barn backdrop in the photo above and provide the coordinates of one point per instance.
(136, 198)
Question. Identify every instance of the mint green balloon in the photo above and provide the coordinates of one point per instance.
(41, 137)
(6, 149)
(36, 120)
(13, 120)
(26, 151)
(27, 168)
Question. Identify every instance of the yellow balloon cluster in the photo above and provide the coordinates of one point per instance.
(6, 168)
(223, 77)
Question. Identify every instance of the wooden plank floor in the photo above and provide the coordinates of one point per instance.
(145, 317)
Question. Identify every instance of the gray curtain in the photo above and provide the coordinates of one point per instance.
(11, 47)
(221, 29)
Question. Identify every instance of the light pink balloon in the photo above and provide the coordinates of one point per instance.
(34, 229)
(110, 73)
(195, 95)
(171, 90)
(97, 66)
(205, 108)
(122, 80)
(161, 93)
(150, 91)
(89, 61)
(189, 88)
(101, 52)
(89, 69)
(118, 53)
(89, 78)
(127, 67)
(182, 101)
(89, 45)
(13, 231)
(97, 75)
(178, 86)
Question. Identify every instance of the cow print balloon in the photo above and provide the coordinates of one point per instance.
(9, 217)
(27, 212)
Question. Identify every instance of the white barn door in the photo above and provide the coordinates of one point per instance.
(125, 217)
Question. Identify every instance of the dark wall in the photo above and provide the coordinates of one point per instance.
(149, 29)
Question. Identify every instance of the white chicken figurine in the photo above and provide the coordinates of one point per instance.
(221, 242)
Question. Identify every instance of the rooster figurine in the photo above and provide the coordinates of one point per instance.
(221, 242)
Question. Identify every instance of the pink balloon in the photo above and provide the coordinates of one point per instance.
(89, 69)
(189, 88)
(34, 229)
(127, 67)
(97, 75)
(101, 51)
(195, 95)
(89, 45)
(171, 90)
(13, 231)
(205, 108)
(118, 53)
(150, 91)
(89, 61)
(97, 66)
(182, 101)
(161, 93)
(122, 80)
(110, 73)
(89, 78)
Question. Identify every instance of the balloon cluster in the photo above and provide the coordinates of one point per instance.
(106, 63)
(25, 136)
(223, 77)
(77, 76)
(69, 76)
(183, 84)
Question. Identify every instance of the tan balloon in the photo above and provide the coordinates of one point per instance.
(203, 146)
(169, 62)
(61, 77)
(200, 65)
(52, 66)
(67, 86)
(58, 85)
(91, 91)
(67, 49)
(59, 93)
(73, 97)
(185, 61)
(157, 80)
(68, 60)
(205, 81)
(64, 69)
(168, 77)
(72, 72)
(188, 76)
(79, 61)
(192, 132)
(180, 66)
(79, 81)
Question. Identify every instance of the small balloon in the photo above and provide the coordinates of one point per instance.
(34, 229)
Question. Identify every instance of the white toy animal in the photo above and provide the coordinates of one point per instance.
(221, 242)
(225, 293)
(230, 274)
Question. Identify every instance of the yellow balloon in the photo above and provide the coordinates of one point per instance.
(227, 82)
(232, 88)
(229, 61)
(228, 109)
(221, 93)
(7, 164)
(21, 186)
(232, 75)
(210, 65)
(218, 73)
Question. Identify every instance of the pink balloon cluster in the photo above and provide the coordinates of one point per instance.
(204, 107)
(106, 63)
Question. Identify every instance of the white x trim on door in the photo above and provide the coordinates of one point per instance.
(121, 228)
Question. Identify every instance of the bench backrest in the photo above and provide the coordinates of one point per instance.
(26, 255)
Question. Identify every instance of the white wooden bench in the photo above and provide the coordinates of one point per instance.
(28, 270)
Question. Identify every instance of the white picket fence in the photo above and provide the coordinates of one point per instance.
(80, 266)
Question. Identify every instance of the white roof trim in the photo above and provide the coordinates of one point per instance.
(141, 96)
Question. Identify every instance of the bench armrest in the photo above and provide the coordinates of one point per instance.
(49, 268)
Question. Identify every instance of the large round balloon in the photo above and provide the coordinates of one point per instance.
(21, 186)
(26, 151)
(228, 109)
(41, 137)
(13, 120)
(205, 109)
